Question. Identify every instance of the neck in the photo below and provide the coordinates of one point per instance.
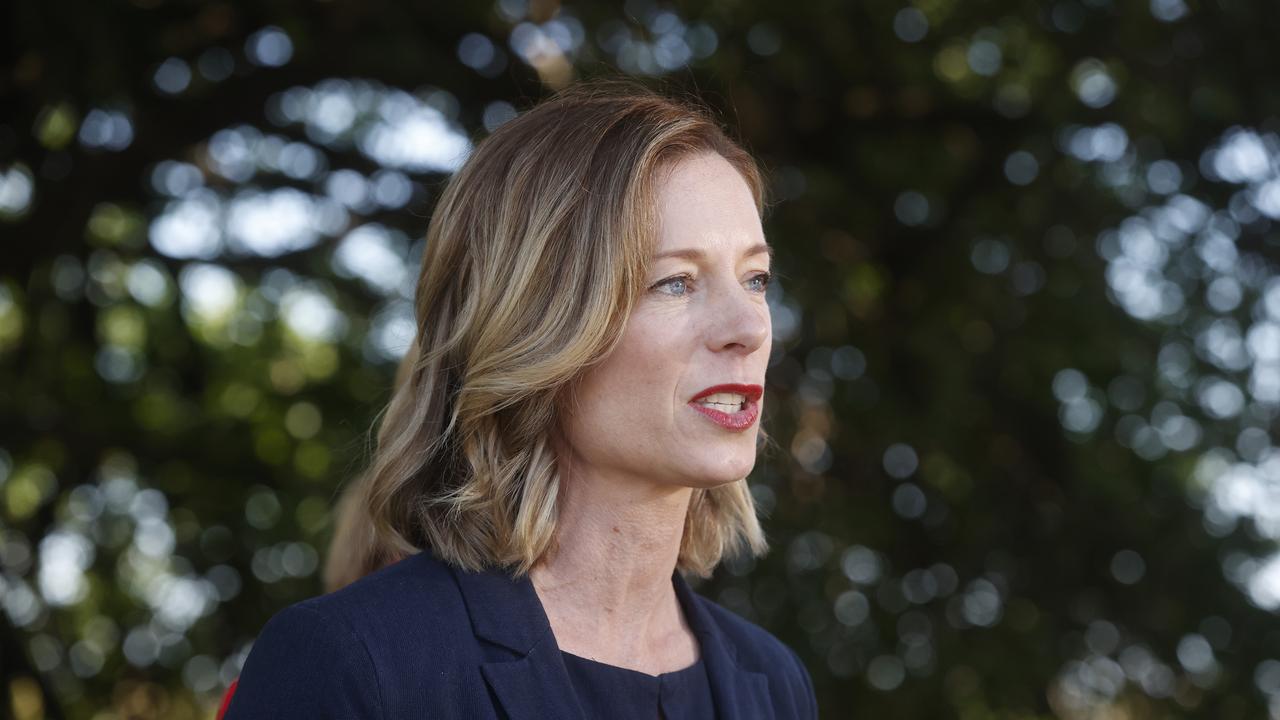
(607, 586)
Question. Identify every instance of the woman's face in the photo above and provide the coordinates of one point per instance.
(678, 401)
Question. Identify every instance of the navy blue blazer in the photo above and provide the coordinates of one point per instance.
(423, 639)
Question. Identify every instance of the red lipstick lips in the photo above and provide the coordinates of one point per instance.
(737, 420)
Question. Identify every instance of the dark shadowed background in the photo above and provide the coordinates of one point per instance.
(1026, 378)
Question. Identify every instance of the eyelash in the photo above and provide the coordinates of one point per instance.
(765, 277)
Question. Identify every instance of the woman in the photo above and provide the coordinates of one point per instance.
(570, 433)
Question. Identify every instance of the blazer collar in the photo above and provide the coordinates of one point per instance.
(739, 692)
(507, 611)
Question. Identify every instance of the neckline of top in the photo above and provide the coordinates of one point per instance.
(618, 668)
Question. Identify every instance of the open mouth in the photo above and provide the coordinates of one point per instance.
(733, 406)
(725, 402)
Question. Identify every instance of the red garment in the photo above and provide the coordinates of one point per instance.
(226, 699)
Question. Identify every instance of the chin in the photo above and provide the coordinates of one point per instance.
(725, 472)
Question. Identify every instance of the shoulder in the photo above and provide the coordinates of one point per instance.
(754, 646)
(297, 646)
(379, 609)
(403, 591)
(353, 639)
(399, 613)
(759, 650)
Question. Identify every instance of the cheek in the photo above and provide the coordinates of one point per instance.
(649, 364)
(622, 414)
(767, 345)
(642, 375)
(655, 332)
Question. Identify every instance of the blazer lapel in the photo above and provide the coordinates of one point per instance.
(739, 693)
(534, 688)
(536, 685)
(506, 611)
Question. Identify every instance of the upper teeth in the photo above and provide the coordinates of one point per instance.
(734, 399)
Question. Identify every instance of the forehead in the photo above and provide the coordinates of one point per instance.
(704, 203)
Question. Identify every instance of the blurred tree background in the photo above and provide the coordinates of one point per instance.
(1024, 390)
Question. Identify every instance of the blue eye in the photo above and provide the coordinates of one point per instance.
(762, 281)
(680, 283)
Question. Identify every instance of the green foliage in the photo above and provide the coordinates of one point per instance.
(1028, 320)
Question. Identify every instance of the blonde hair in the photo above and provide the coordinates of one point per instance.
(535, 255)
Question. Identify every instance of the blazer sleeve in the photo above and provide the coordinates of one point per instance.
(305, 664)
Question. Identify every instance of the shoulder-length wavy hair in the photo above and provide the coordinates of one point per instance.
(536, 253)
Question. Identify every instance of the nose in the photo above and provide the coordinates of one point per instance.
(738, 320)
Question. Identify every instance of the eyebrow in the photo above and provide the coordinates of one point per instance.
(696, 254)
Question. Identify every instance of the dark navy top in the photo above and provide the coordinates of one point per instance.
(421, 638)
(618, 693)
